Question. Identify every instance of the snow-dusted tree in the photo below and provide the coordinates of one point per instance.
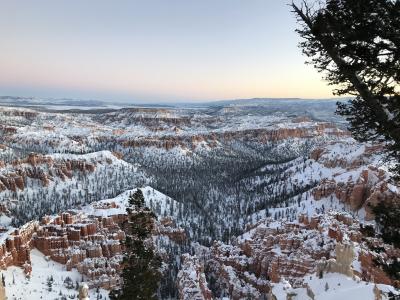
(356, 45)
(141, 265)
(137, 199)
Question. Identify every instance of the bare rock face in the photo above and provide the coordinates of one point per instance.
(316, 154)
(12, 182)
(74, 240)
(354, 178)
(325, 189)
(367, 190)
(261, 135)
(167, 227)
(13, 176)
(7, 130)
(357, 196)
(15, 250)
(275, 250)
(33, 159)
(83, 292)
(371, 271)
(2, 291)
(342, 263)
(192, 282)
(91, 244)
(27, 114)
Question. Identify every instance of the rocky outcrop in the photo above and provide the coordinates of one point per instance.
(90, 244)
(12, 181)
(273, 250)
(155, 119)
(8, 130)
(371, 271)
(168, 227)
(360, 194)
(191, 141)
(192, 283)
(354, 181)
(15, 250)
(27, 114)
(83, 291)
(2, 291)
(43, 168)
(341, 264)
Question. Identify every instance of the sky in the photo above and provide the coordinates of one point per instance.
(153, 50)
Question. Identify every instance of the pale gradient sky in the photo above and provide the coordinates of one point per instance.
(152, 50)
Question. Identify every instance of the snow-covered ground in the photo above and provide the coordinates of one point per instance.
(332, 286)
(49, 132)
(109, 177)
(161, 204)
(19, 287)
(39, 285)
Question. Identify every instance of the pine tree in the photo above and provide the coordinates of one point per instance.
(355, 44)
(49, 284)
(141, 265)
(137, 199)
(387, 217)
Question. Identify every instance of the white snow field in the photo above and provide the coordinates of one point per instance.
(18, 287)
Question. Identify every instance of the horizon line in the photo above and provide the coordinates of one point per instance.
(116, 101)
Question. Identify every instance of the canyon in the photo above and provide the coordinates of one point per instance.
(254, 200)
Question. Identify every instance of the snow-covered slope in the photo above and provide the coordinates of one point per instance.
(91, 249)
(48, 184)
(332, 286)
(230, 167)
(49, 280)
(161, 204)
(311, 258)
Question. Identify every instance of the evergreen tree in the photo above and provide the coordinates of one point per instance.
(137, 199)
(387, 217)
(355, 43)
(141, 265)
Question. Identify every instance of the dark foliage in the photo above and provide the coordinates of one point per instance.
(355, 43)
(141, 265)
(388, 220)
(387, 217)
(137, 199)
